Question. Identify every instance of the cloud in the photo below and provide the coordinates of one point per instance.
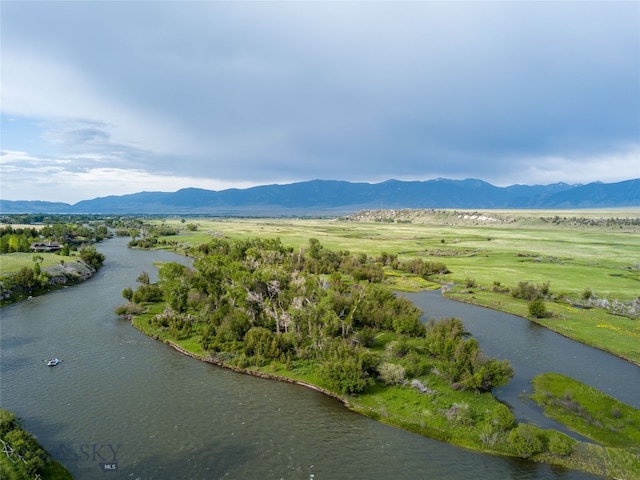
(271, 92)
(45, 175)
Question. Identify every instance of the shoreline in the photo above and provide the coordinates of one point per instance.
(548, 327)
(593, 450)
(253, 373)
(60, 276)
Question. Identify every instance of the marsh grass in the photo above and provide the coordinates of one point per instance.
(587, 411)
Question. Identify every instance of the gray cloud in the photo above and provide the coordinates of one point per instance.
(269, 91)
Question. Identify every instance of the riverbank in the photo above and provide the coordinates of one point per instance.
(30, 281)
(474, 421)
(595, 327)
(64, 274)
(23, 457)
(593, 415)
(577, 254)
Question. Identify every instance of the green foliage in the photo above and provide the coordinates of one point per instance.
(503, 418)
(560, 444)
(365, 336)
(174, 282)
(27, 458)
(147, 293)
(537, 308)
(127, 293)
(463, 362)
(423, 269)
(391, 373)
(92, 257)
(128, 309)
(346, 375)
(525, 440)
(529, 291)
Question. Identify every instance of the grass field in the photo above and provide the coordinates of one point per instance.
(514, 246)
(571, 258)
(606, 261)
(14, 262)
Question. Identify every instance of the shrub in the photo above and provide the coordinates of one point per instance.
(416, 365)
(365, 337)
(346, 375)
(128, 309)
(391, 373)
(503, 418)
(524, 440)
(529, 291)
(408, 325)
(560, 444)
(537, 308)
(127, 293)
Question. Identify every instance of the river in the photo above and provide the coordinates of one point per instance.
(122, 405)
(532, 349)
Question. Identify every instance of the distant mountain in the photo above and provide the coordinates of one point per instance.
(325, 197)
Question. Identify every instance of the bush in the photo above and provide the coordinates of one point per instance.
(92, 257)
(560, 444)
(128, 309)
(503, 418)
(537, 308)
(365, 337)
(529, 291)
(408, 325)
(346, 375)
(391, 373)
(524, 440)
(416, 365)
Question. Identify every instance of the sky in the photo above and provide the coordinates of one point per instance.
(117, 97)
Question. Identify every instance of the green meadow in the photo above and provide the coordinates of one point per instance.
(14, 262)
(604, 260)
(577, 259)
(593, 253)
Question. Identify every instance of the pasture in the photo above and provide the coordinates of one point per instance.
(14, 262)
(572, 259)
(487, 258)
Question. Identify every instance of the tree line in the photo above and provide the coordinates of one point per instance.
(254, 301)
(70, 235)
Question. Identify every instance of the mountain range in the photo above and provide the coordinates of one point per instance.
(330, 197)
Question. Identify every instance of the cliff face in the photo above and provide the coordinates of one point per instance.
(69, 273)
(62, 275)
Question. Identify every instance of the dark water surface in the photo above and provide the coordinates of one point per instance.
(122, 400)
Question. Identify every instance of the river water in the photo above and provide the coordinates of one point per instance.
(123, 406)
(532, 349)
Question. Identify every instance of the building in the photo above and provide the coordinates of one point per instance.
(45, 247)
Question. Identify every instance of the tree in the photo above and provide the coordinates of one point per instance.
(174, 283)
(92, 257)
(143, 278)
(127, 293)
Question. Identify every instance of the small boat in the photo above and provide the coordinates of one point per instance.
(53, 362)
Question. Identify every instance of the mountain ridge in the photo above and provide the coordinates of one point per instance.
(338, 196)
